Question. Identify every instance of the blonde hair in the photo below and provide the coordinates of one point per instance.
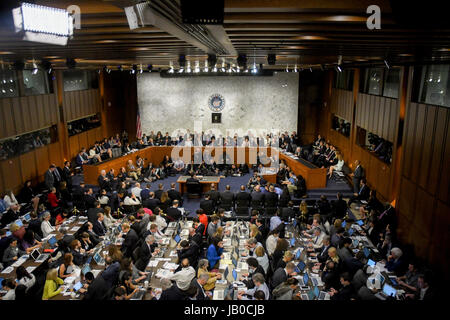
(304, 207)
(13, 227)
(52, 274)
(164, 196)
(259, 251)
(219, 232)
(339, 157)
(254, 231)
(288, 254)
(333, 250)
(337, 223)
(125, 226)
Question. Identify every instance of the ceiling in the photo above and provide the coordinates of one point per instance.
(306, 33)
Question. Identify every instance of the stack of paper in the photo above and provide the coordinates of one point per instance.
(8, 270)
(30, 269)
(170, 266)
(173, 253)
(153, 263)
(164, 273)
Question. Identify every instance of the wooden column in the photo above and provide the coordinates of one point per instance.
(63, 134)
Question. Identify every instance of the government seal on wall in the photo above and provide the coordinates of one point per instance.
(216, 102)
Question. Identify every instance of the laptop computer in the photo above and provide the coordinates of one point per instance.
(19, 223)
(316, 292)
(98, 258)
(177, 238)
(304, 281)
(38, 257)
(393, 280)
(27, 217)
(234, 272)
(371, 263)
(52, 241)
(77, 286)
(355, 243)
(388, 292)
(139, 294)
(360, 223)
(292, 242)
(233, 260)
(380, 278)
(323, 295)
(88, 260)
(350, 231)
(343, 224)
(1, 280)
(308, 296)
(86, 269)
(366, 252)
(298, 254)
(294, 223)
(301, 267)
(225, 274)
(315, 281)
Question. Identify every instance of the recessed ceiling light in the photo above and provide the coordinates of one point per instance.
(106, 41)
(6, 52)
(405, 55)
(310, 38)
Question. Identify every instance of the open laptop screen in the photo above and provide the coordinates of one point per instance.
(366, 252)
(177, 238)
(371, 263)
(52, 241)
(389, 291)
(86, 269)
(305, 279)
(301, 266)
(19, 223)
(77, 286)
(292, 242)
(316, 292)
(298, 254)
(360, 223)
(234, 274)
(35, 254)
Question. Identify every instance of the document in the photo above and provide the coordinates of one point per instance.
(30, 269)
(170, 266)
(153, 263)
(8, 270)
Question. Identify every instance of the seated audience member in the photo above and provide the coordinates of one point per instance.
(263, 259)
(61, 217)
(260, 285)
(286, 290)
(424, 289)
(363, 193)
(131, 200)
(67, 268)
(271, 242)
(52, 198)
(98, 226)
(282, 274)
(24, 278)
(215, 253)
(347, 292)
(52, 284)
(86, 244)
(173, 213)
(78, 253)
(12, 253)
(46, 227)
(212, 276)
(9, 286)
(409, 280)
(29, 242)
(394, 261)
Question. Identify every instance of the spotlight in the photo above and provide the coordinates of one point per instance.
(206, 66)
(150, 68)
(197, 66)
(105, 68)
(171, 67)
(99, 71)
(287, 68)
(214, 69)
(295, 68)
(310, 69)
(134, 69)
(387, 64)
(229, 68)
(35, 68)
(339, 69)
(254, 70)
(188, 69)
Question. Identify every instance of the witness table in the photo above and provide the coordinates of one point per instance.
(205, 181)
(315, 177)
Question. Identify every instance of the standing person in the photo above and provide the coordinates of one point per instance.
(357, 175)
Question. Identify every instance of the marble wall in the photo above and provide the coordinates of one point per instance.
(260, 103)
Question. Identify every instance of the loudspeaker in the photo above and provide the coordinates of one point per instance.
(202, 11)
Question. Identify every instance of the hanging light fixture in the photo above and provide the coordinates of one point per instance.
(287, 68)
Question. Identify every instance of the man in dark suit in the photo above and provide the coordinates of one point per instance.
(159, 192)
(145, 193)
(347, 292)
(242, 198)
(147, 250)
(103, 181)
(271, 198)
(95, 239)
(98, 288)
(49, 177)
(67, 174)
(257, 197)
(214, 195)
(174, 194)
(322, 253)
(339, 207)
(207, 205)
(98, 226)
(363, 194)
(89, 198)
(173, 212)
(226, 198)
(281, 274)
(188, 250)
(152, 202)
(196, 237)
(199, 283)
(288, 212)
(130, 240)
(357, 175)
(93, 212)
(173, 293)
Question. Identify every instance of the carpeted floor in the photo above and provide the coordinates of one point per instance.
(333, 187)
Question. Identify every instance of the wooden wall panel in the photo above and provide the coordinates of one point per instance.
(74, 146)
(444, 188)
(10, 170)
(42, 161)
(427, 146)
(79, 104)
(28, 166)
(436, 154)
(54, 154)
(8, 117)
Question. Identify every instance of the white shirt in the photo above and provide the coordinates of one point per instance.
(263, 262)
(27, 282)
(183, 277)
(10, 295)
(46, 228)
(131, 202)
(10, 200)
(271, 244)
(103, 200)
(136, 191)
(318, 241)
(339, 165)
(108, 221)
(161, 222)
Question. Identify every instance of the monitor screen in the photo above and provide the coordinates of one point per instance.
(316, 292)
(294, 223)
(343, 224)
(86, 269)
(355, 243)
(1, 280)
(19, 223)
(350, 231)
(88, 261)
(311, 294)
(389, 291)
(119, 228)
(35, 254)
(225, 274)
(360, 223)
(298, 254)
(371, 263)
(394, 281)
(27, 217)
(380, 278)
(52, 241)
(366, 252)
(292, 242)
(301, 266)
(77, 286)
(177, 238)
(234, 274)
(305, 279)
(234, 261)
(97, 258)
(8, 233)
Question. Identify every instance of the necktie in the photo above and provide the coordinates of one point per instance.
(58, 177)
